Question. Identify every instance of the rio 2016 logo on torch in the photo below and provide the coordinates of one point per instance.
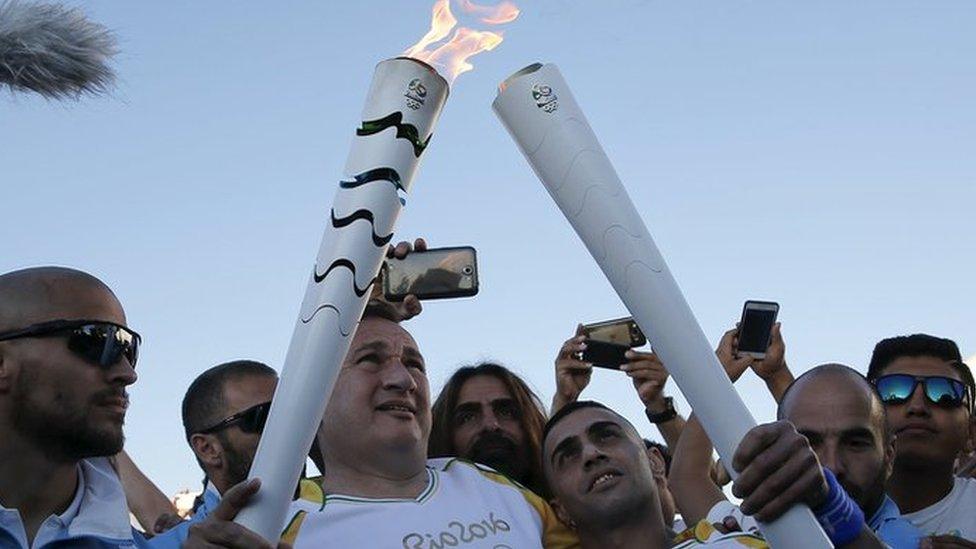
(544, 97)
(416, 94)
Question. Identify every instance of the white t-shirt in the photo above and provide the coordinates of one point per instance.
(954, 515)
(464, 505)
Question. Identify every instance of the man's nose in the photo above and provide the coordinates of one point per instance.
(396, 376)
(592, 456)
(830, 458)
(916, 402)
(490, 421)
(122, 372)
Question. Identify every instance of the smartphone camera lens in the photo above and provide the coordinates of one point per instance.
(467, 270)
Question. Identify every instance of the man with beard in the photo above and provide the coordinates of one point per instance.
(378, 489)
(928, 393)
(838, 412)
(224, 411)
(66, 358)
(488, 415)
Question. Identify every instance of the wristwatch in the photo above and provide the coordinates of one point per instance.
(667, 414)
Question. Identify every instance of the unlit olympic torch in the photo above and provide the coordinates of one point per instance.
(402, 107)
(540, 113)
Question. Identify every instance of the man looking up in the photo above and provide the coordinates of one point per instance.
(928, 394)
(224, 411)
(378, 487)
(66, 358)
(488, 415)
(603, 487)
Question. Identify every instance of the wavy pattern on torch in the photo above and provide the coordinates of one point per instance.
(343, 262)
(331, 307)
(404, 130)
(340, 222)
(387, 174)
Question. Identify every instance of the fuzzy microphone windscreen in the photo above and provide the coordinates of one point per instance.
(53, 50)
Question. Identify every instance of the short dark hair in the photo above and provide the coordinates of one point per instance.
(569, 409)
(890, 349)
(663, 449)
(532, 416)
(203, 404)
(377, 308)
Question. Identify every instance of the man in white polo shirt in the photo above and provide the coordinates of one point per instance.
(379, 489)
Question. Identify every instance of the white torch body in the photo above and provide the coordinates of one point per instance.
(539, 111)
(404, 101)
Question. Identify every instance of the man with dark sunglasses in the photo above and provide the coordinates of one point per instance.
(66, 358)
(224, 411)
(928, 395)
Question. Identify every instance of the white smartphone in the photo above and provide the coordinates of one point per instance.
(755, 328)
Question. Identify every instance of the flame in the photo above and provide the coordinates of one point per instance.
(506, 12)
(451, 57)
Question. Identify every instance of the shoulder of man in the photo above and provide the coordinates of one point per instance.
(892, 528)
(555, 534)
(103, 515)
(706, 534)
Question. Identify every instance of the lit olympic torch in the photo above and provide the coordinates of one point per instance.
(540, 113)
(403, 104)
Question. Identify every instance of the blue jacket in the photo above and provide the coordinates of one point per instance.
(892, 528)
(175, 536)
(101, 520)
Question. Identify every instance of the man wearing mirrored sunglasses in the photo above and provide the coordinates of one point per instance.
(928, 394)
(66, 358)
(224, 411)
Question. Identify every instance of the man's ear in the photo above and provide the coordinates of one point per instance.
(561, 514)
(889, 454)
(207, 449)
(658, 467)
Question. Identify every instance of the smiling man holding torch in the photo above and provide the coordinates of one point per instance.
(403, 104)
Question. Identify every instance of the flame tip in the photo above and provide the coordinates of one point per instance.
(464, 42)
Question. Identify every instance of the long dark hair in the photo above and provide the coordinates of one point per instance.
(532, 417)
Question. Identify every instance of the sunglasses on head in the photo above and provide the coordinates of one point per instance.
(939, 390)
(251, 420)
(97, 341)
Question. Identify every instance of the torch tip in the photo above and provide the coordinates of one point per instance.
(521, 72)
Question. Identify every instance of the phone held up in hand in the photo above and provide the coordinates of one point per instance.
(755, 328)
(437, 273)
(608, 341)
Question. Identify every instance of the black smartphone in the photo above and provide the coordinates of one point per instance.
(622, 331)
(608, 341)
(437, 273)
(755, 328)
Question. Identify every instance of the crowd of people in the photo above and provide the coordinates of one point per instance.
(883, 459)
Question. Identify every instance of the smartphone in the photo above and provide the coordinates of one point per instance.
(437, 273)
(608, 341)
(755, 328)
(622, 331)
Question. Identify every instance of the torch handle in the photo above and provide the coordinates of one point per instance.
(539, 111)
(403, 104)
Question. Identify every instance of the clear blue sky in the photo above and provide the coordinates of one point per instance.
(819, 154)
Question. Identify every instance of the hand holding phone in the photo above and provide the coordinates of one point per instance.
(608, 342)
(437, 273)
(755, 328)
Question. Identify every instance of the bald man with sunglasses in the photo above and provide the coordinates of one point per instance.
(928, 396)
(66, 358)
